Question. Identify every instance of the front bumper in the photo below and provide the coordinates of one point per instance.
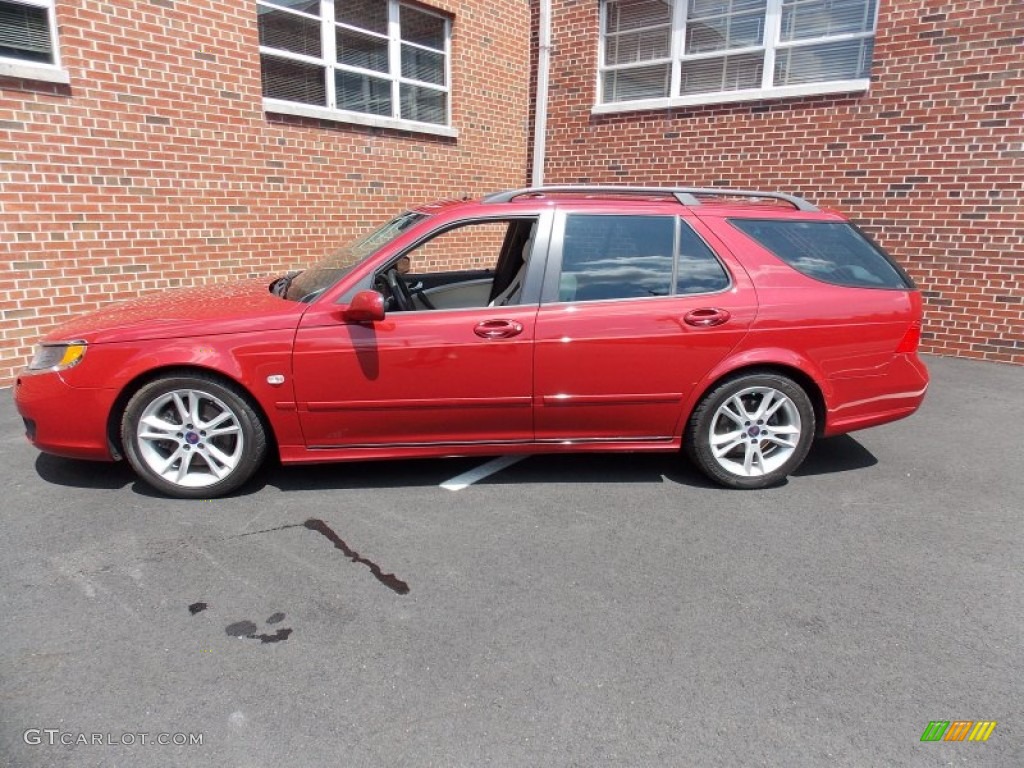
(64, 420)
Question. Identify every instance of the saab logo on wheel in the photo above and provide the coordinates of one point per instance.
(958, 730)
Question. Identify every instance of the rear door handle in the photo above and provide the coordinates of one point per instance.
(498, 329)
(707, 317)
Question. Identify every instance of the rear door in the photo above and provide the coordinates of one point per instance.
(636, 309)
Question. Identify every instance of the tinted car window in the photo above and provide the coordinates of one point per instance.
(616, 257)
(830, 251)
(699, 270)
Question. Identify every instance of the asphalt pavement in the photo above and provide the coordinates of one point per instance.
(565, 611)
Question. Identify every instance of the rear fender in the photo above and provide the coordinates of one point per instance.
(770, 357)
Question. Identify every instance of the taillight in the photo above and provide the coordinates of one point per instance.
(910, 340)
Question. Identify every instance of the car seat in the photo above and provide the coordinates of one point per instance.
(511, 293)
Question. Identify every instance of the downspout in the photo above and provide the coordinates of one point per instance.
(540, 125)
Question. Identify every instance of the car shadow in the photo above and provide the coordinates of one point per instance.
(536, 468)
(77, 473)
(831, 455)
(363, 475)
(827, 456)
(597, 468)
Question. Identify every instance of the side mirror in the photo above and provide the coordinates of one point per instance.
(366, 307)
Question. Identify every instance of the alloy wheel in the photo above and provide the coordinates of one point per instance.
(755, 432)
(190, 438)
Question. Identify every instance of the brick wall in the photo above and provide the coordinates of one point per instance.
(930, 160)
(476, 246)
(157, 167)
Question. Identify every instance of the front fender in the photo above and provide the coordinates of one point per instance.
(247, 359)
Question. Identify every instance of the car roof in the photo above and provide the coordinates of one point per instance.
(438, 206)
(715, 202)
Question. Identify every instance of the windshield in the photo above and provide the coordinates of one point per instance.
(310, 283)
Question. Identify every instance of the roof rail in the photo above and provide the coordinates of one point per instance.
(685, 195)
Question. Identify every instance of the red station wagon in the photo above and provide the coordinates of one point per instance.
(735, 325)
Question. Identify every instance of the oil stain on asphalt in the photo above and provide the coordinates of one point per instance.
(389, 580)
(247, 629)
(250, 631)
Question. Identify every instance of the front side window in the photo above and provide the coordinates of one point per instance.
(669, 52)
(474, 264)
(28, 32)
(356, 58)
(631, 257)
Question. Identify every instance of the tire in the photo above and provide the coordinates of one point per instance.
(201, 421)
(728, 444)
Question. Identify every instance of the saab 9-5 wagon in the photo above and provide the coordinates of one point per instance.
(735, 326)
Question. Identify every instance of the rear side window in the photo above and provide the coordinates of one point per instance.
(699, 270)
(831, 251)
(624, 257)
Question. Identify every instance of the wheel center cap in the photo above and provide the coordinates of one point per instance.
(191, 438)
(754, 431)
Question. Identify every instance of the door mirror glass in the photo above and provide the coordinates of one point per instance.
(366, 306)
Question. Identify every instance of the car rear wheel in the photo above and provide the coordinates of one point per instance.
(192, 436)
(751, 431)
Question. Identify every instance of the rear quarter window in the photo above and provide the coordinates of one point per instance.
(831, 251)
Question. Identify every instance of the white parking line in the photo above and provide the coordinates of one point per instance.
(466, 479)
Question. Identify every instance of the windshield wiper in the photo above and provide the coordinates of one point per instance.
(280, 286)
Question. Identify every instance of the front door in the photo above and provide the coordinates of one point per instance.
(451, 374)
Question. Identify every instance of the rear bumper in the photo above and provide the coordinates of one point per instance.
(870, 401)
(64, 420)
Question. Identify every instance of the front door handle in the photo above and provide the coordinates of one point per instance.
(707, 317)
(498, 329)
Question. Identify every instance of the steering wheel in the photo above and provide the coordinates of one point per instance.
(400, 290)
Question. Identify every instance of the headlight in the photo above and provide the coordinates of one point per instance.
(57, 357)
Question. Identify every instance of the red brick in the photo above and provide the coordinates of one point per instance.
(847, 151)
(147, 157)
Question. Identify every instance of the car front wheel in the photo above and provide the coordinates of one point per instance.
(192, 436)
(751, 431)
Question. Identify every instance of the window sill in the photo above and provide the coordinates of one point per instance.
(28, 70)
(375, 121)
(728, 97)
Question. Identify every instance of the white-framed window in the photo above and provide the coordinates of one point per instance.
(28, 40)
(664, 53)
(373, 62)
